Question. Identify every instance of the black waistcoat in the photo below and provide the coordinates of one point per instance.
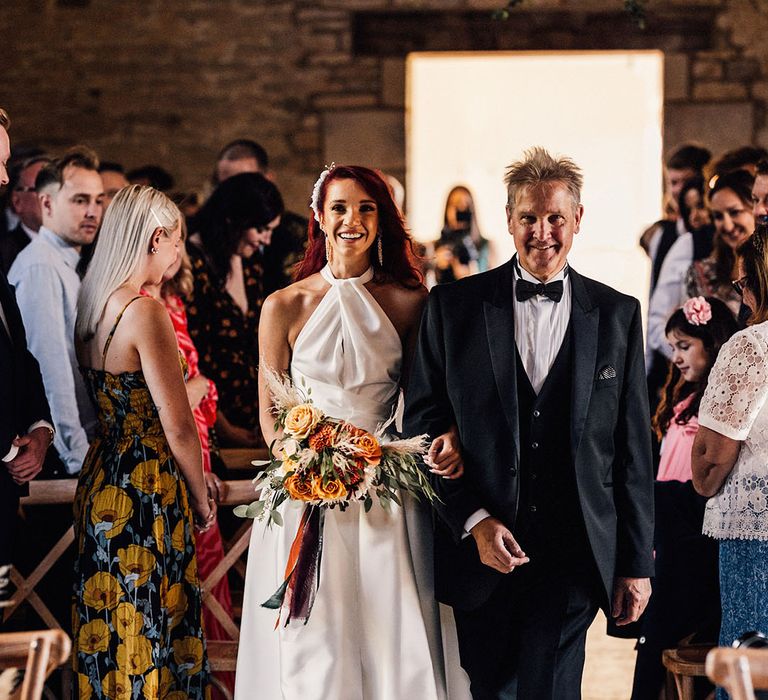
(549, 519)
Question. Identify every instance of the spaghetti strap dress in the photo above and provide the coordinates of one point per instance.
(137, 600)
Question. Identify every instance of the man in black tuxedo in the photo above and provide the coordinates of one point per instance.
(533, 375)
(25, 420)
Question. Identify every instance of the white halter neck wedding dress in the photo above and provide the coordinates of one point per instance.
(374, 632)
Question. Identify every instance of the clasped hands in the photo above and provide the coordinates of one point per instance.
(205, 508)
(26, 465)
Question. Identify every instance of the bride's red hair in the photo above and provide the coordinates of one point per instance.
(397, 245)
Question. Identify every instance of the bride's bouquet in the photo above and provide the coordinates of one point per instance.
(325, 463)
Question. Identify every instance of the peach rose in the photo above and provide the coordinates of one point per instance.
(367, 447)
(298, 489)
(301, 420)
(332, 490)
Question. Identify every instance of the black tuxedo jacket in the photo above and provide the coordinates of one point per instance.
(21, 385)
(464, 374)
(11, 244)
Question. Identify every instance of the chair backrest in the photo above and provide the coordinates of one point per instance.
(739, 671)
(38, 653)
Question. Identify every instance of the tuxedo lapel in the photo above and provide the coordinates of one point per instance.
(584, 325)
(500, 330)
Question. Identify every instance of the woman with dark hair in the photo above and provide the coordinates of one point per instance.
(232, 229)
(730, 454)
(685, 597)
(345, 331)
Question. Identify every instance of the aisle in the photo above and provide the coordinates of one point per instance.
(609, 666)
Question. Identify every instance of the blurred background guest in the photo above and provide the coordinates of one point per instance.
(685, 598)
(113, 179)
(24, 203)
(152, 176)
(232, 230)
(731, 205)
(730, 454)
(289, 239)
(461, 249)
(684, 163)
(201, 391)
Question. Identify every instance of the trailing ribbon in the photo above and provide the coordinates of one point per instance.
(302, 571)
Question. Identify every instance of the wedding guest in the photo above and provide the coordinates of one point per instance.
(25, 204)
(137, 624)
(684, 163)
(151, 176)
(113, 180)
(25, 419)
(232, 229)
(289, 239)
(730, 204)
(730, 454)
(456, 254)
(685, 598)
(693, 245)
(203, 397)
(742, 158)
(47, 285)
(760, 193)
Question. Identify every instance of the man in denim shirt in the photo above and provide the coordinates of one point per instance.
(47, 285)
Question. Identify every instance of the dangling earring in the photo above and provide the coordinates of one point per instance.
(380, 249)
(328, 250)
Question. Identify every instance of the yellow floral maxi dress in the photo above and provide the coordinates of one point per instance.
(137, 601)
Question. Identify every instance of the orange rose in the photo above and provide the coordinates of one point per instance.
(331, 490)
(298, 489)
(367, 447)
(301, 420)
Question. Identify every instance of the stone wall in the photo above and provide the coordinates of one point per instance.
(170, 81)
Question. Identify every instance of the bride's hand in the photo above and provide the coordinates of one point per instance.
(444, 456)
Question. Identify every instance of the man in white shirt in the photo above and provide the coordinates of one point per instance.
(535, 376)
(47, 284)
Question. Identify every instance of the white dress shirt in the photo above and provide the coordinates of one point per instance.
(540, 326)
(669, 295)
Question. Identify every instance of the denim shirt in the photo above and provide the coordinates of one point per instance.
(47, 285)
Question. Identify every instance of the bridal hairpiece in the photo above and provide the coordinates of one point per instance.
(697, 311)
(315, 203)
(157, 218)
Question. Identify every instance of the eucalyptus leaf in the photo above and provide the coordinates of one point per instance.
(277, 518)
(241, 511)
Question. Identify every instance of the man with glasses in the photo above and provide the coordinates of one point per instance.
(24, 203)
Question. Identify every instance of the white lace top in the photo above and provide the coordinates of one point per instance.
(734, 404)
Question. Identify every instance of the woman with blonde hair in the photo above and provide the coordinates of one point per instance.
(137, 609)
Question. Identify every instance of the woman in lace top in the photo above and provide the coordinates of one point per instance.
(730, 454)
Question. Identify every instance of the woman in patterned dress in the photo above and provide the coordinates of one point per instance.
(137, 601)
(232, 229)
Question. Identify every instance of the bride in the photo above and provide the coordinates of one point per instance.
(345, 330)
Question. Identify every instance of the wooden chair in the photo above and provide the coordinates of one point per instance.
(685, 663)
(739, 671)
(37, 652)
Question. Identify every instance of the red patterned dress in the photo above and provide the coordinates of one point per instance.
(210, 550)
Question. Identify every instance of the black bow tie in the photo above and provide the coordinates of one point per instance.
(524, 290)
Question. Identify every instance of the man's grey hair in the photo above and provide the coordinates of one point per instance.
(539, 166)
(5, 120)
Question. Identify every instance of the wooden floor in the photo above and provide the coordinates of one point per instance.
(609, 665)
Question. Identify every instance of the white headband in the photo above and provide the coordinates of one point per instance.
(315, 203)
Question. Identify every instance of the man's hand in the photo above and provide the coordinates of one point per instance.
(217, 489)
(444, 456)
(497, 547)
(26, 465)
(630, 596)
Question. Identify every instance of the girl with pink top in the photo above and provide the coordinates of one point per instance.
(685, 597)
